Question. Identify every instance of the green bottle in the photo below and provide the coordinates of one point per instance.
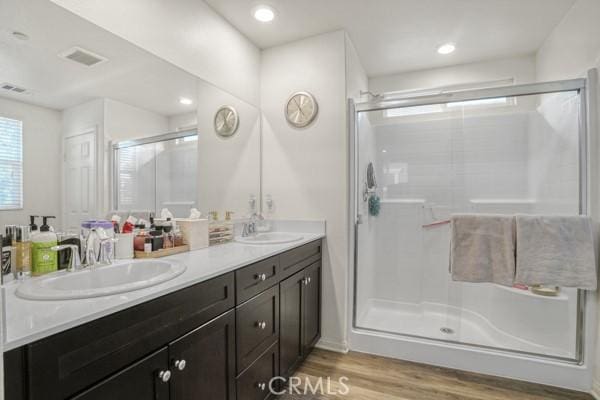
(44, 259)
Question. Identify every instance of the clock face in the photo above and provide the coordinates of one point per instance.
(226, 121)
(301, 109)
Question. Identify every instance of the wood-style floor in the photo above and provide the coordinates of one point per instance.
(378, 378)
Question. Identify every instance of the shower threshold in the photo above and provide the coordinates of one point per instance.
(447, 323)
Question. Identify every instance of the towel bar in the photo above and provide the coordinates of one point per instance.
(436, 223)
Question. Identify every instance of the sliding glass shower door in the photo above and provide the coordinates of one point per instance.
(499, 153)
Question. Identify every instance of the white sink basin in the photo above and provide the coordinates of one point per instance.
(270, 238)
(100, 281)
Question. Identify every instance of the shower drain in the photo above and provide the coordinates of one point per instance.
(447, 331)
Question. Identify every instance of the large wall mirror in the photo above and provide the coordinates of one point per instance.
(90, 123)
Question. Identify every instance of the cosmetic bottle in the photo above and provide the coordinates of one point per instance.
(7, 257)
(23, 252)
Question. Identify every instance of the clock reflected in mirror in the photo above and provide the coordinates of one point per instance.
(226, 121)
(301, 109)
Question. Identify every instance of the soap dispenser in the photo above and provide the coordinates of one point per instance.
(44, 259)
(32, 225)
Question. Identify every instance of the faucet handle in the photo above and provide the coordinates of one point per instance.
(74, 258)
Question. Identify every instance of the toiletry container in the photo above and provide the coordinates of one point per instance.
(124, 246)
(23, 252)
(44, 260)
(194, 232)
(8, 256)
(88, 226)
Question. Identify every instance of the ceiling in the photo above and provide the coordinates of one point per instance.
(131, 75)
(402, 35)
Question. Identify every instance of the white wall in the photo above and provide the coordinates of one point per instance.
(41, 161)
(522, 69)
(305, 170)
(568, 52)
(190, 35)
(123, 122)
(228, 167)
(182, 122)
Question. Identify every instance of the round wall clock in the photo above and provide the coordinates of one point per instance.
(226, 121)
(301, 109)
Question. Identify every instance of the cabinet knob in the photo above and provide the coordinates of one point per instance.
(261, 277)
(164, 376)
(308, 279)
(261, 385)
(305, 281)
(180, 364)
(261, 324)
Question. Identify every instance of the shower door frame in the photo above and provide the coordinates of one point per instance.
(355, 108)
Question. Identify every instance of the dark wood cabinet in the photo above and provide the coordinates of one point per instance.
(300, 317)
(290, 325)
(257, 326)
(203, 362)
(255, 383)
(311, 317)
(222, 339)
(141, 381)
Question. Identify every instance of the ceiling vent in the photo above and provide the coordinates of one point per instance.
(82, 56)
(12, 88)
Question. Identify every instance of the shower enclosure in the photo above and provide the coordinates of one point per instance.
(512, 149)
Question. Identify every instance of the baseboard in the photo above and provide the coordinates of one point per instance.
(333, 345)
(596, 389)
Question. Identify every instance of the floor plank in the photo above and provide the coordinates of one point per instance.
(379, 378)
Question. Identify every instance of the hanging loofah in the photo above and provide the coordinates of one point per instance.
(374, 205)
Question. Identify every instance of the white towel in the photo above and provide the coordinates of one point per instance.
(556, 250)
(483, 248)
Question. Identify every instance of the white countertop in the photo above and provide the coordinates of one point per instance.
(27, 321)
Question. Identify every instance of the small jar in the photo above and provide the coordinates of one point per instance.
(140, 240)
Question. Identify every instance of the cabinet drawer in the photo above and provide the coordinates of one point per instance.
(68, 362)
(255, 278)
(257, 326)
(253, 384)
(139, 381)
(299, 258)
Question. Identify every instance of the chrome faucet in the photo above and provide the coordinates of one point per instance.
(74, 258)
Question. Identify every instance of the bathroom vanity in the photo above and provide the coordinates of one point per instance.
(223, 336)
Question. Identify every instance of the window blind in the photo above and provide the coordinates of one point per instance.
(11, 164)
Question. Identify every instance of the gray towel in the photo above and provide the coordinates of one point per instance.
(556, 250)
(483, 248)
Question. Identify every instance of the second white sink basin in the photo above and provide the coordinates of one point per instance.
(100, 281)
(270, 238)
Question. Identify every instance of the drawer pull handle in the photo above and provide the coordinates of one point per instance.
(180, 364)
(261, 324)
(261, 386)
(164, 376)
(261, 277)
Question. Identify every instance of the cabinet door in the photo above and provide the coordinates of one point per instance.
(290, 323)
(203, 362)
(141, 381)
(312, 306)
(255, 383)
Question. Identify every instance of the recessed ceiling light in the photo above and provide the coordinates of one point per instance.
(384, 151)
(264, 14)
(446, 48)
(20, 35)
(185, 101)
